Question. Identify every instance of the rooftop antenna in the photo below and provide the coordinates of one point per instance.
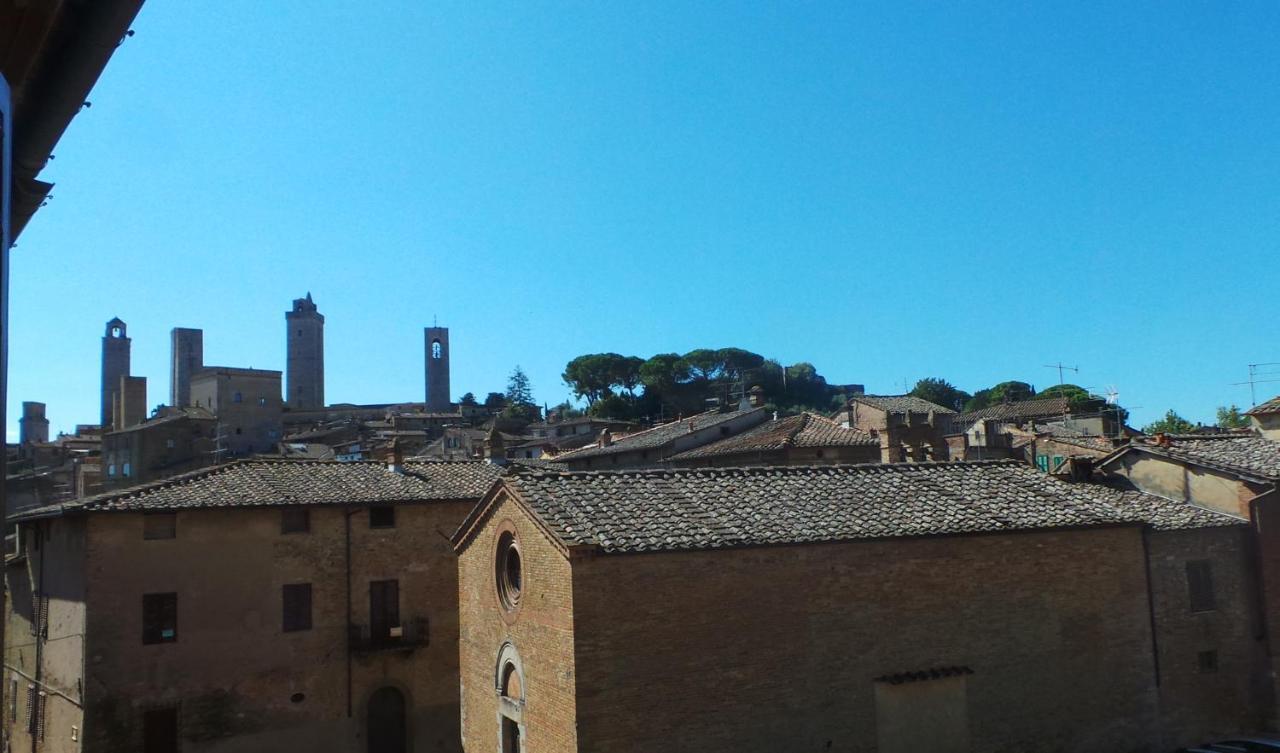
(1259, 370)
(1061, 369)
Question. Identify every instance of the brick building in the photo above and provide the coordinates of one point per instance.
(179, 440)
(305, 339)
(954, 607)
(258, 605)
(246, 403)
(908, 427)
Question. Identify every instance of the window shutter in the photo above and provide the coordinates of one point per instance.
(29, 719)
(13, 700)
(44, 616)
(1200, 586)
(40, 715)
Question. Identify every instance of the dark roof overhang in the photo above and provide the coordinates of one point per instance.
(51, 54)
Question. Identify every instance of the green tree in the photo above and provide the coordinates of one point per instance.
(704, 364)
(1077, 397)
(519, 391)
(468, 399)
(495, 401)
(661, 373)
(593, 376)
(1172, 423)
(1232, 418)
(940, 392)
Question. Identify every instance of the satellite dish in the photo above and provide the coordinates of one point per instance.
(1113, 395)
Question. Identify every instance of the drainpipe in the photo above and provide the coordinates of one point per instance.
(1151, 607)
(346, 520)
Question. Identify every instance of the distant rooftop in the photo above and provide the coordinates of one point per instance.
(1266, 409)
(1248, 455)
(900, 403)
(804, 430)
(1042, 408)
(658, 436)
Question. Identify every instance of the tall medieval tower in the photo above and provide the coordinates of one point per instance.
(305, 366)
(438, 370)
(186, 359)
(115, 364)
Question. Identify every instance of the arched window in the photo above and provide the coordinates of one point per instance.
(437, 350)
(511, 698)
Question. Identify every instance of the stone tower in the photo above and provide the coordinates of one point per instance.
(186, 358)
(115, 364)
(305, 367)
(438, 370)
(33, 426)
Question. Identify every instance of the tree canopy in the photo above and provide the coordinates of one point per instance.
(940, 392)
(1232, 418)
(1172, 423)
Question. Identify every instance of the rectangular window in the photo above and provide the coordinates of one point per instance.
(384, 610)
(382, 517)
(1208, 661)
(295, 520)
(159, 525)
(1200, 586)
(297, 607)
(159, 618)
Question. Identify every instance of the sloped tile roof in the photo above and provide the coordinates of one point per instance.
(263, 482)
(1166, 514)
(658, 436)
(1060, 433)
(1053, 406)
(714, 508)
(1249, 455)
(1271, 406)
(900, 403)
(804, 430)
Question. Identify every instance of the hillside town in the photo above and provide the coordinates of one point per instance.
(709, 551)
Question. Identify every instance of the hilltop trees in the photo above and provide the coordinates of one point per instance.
(1232, 418)
(941, 392)
(618, 386)
(1172, 423)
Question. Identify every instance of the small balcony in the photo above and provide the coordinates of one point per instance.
(407, 636)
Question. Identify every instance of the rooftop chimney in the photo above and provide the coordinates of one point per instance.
(756, 396)
(396, 463)
(605, 439)
(495, 452)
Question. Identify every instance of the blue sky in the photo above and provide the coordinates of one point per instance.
(965, 190)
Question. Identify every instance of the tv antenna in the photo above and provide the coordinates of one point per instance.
(1257, 370)
(1061, 369)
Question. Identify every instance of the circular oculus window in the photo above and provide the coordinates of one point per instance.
(509, 572)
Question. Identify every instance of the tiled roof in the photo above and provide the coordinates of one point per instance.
(804, 430)
(1165, 514)
(900, 403)
(179, 414)
(714, 508)
(1053, 406)
(1271, 406)
(658, 436)
(1247, 455)
(261, 482)
(1060, 433)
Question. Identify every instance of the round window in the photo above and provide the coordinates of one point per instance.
(509, 573)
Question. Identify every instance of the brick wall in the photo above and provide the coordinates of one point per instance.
(771, 649)
(541, 632)
(1199, 704)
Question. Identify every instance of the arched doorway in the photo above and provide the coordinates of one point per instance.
(387, 721)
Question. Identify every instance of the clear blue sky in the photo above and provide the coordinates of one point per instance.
(965, 190)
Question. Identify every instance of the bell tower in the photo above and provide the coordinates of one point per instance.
(115, 364)
(437, 341)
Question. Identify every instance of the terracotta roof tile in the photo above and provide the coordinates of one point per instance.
(900, 403)
(665, 510)
(1269, 407)
(1043, 408)
(658, 436)
(1249, 455)
(262, 482)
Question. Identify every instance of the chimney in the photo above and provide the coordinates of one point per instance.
(605, 439)
(756, 396)
(495, 452)
(396, 463)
